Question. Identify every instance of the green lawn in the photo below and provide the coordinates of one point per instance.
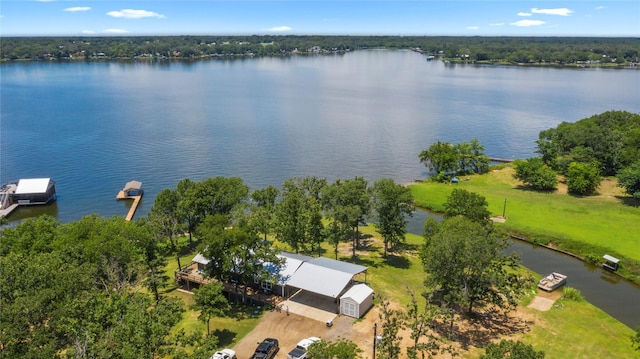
(229, 329)
(574, 330)
(606, 221)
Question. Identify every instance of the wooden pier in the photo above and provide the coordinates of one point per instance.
(132, 190)
(502, 160)
(6, 205)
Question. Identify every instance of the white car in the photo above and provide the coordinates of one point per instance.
(224, 354)
(300, 351)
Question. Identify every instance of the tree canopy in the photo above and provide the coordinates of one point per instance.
(446, 159)
(391, 203)
(611, 140)
(466, 267)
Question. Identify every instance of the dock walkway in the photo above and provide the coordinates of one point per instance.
(6, 207)
(132, 190)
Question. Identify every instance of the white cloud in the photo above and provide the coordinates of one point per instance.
(600, 7)
(115, 31)
(135, 14)
(473, 27)
(524, 14)
(527, 23)
(280, 29)
(88, 32)
(559, 11)
(77, 8)
(497, 24)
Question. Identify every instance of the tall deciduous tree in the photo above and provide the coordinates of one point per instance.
(466, 267)
(264, 202)
(391, 203)
(440, 157)
(165, 220)
(392, 322)
(467, 204)
(210, 301)
(299, 213)
(346, 203)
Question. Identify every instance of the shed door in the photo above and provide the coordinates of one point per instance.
(350, 308)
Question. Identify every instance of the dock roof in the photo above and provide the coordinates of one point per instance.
(133, 185)
(32, 185)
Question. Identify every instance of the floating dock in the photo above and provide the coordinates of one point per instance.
(132, 190)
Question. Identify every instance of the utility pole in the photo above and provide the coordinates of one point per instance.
(375, 337)
(504, 209)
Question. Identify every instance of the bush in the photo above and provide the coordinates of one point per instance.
(582, 178)
(573, 294)
(535, 173)
(511, 349)
(629, 179)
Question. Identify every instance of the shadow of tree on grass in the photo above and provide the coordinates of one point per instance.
(481, 328)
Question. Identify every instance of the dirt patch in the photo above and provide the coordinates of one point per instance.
(290, 329)
(541, 303)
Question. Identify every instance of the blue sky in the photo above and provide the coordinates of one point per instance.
(299, 17)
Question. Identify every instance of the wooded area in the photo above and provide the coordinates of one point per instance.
(506, 50)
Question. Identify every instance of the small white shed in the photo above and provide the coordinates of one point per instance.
(356, 301)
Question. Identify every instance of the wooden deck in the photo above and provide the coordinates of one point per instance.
(7, 211)
(6, 207)
(124, 194)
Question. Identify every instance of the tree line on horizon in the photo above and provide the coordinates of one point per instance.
(521, 50)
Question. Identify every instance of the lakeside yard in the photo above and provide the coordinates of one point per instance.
(590, 226)
(569, 329)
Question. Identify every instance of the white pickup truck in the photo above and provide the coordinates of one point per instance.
(300, 351)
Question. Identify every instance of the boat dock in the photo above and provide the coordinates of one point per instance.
(501, 160)
(132, 190)
(6, 205)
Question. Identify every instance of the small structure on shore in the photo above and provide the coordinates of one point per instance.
(132, 190)
(610, 263)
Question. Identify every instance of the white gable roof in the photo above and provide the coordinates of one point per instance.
(320, 280)
(341, 266)
(289, 267)
(32, 185)
(358, 292)
(199, 258)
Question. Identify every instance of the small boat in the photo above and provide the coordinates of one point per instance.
(552, 282)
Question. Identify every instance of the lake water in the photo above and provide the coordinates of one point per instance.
(94, 126)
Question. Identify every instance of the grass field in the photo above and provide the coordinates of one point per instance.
(593, 225)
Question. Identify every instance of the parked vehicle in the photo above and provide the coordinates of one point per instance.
(267, 349)
(224, 354)
(300, 351)
(553, 281)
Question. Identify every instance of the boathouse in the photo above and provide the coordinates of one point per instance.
(610, 263)
(132, 188)
(35, 191)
